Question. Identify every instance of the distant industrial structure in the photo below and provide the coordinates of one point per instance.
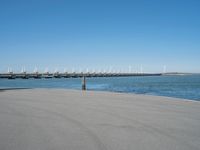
(56, 74)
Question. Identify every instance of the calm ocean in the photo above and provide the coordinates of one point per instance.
(187, 87)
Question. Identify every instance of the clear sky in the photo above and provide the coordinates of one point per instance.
(100, 34)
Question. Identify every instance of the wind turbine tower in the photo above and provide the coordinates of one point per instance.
(164, 69)
(141, 69)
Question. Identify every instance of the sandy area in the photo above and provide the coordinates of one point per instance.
(56, 119)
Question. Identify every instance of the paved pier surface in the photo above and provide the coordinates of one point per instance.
(49, 119)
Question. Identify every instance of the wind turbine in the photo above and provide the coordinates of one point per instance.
(65, 70)
(164, 69)
(56, 71)
(73, 70)
(87, 70)
(110, 70)
(35, 70)
(80, 70)
(129, 69)
(141, 69)
(23, 70)
(46, 71)
(93, 71)
(10, 70)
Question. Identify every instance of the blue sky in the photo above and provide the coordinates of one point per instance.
(99, 34)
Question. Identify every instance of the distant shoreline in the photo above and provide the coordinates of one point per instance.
(8, 89)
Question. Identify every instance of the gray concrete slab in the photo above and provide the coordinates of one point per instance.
(52, 119)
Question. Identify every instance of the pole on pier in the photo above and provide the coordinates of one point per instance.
(83, 83)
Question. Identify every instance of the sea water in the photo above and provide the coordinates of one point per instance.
(185, 86)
